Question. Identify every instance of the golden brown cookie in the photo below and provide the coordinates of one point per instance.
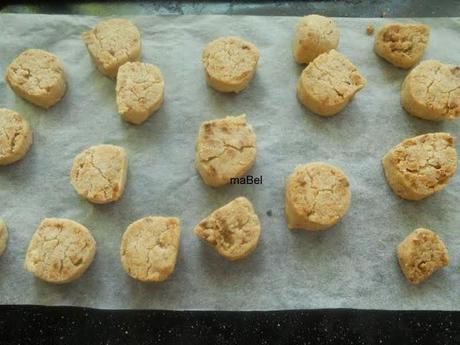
(15, 136)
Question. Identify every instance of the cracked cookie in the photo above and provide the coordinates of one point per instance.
(225, 149)
(60, 251)
(38, 77)
(421, 166)
(232, 230)
(421, 254)
(431, 91)
(15, 136)
(3, 236)
(314, 35)
(111, 43)
(317, 196)
(402, 45)
(140, 89)
(229, 63)
(99, 173)
(328, 83)
(149, 248)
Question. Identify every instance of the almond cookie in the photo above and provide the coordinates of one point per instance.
(328, 83)
(149, 248)
(317, 196)
(140, 89)
(314, 35)
(229, 63)
(3, 236)
(99, 173)
(232, 230)
(38, 77)
(431, 91)
(15, 136)
(60, 251)
(111, 43)
(421, 166)
(225, 149)
(421, 254)
(402, 45)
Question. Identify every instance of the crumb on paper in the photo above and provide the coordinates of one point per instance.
(370, 30)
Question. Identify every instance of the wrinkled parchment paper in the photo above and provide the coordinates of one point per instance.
(351, 265)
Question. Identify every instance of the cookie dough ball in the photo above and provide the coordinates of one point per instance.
(99, 173)
(3, 236)
(421, 254)
(229, 63)
(225, 149)
(140, 88)
(232, 230)
(149, 248)
(314, 36)
(38, 77)
(328, 83)
(402, 45)
(15, 136)
(111, 43)
(60, 251)
(431, 91)
(421, 166)
(317, 196)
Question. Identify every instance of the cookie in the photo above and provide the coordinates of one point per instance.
(112, 43)
(38, 77)
(317, 196)
(421, 166)
(402, 45)
(99, 173)
(431, 91)
(232, 230)
(314, 36)
(60, 251)
(3, 236)
(149, 248)
(328, 83)
(225, 149)
(15, 136)
(421, 254)
(229, 63)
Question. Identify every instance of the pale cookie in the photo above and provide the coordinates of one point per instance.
(421, 166)
(317, 196)
(229, 63)
(15, 136)
(3, 236)
(225, 149)
(99, 173)
(38, 77)
(421, 254)
(111, 43)
(314, 36)
(149, 248)
(60, 251)
(402, 45)
(431, 91)
(140, 90)
(232, 230)
(328, 83)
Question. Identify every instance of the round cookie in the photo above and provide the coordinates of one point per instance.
(140, 90)
(3, 236)
(99, 173)
(229, 63)
(149, 248)
(225, 149)
(317, 196)
(431, 91)
(15, 136)
(38, 77)
(111, 43)
(421, 166)
(60, 251)
(328, 83)
(314, 35)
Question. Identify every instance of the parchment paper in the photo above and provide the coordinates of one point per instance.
(351, 265)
